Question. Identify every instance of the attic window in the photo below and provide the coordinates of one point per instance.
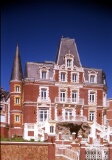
(69, 62)
(43, 74)
(93, 78)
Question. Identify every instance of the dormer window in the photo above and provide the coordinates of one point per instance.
(92, 76)
(44, 75)
(92, 79)
(69, 62)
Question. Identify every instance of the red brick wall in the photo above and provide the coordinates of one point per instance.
(4, 132)
(84, 95)
(31, 92)
(29, 114)
(109, 113)
(56, 75)
(99, 116)
(80, 77)
(53, 92)
(99, 97)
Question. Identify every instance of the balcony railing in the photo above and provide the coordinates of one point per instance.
(77, 118)
(69, 100)
(43, 100)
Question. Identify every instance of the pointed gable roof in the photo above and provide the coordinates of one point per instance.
(67, 46)
(17, 68)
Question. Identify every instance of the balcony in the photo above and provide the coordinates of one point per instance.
(69, 100)
(43, 100)
(77, 118)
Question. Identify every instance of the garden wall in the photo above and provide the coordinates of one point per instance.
(26, 151)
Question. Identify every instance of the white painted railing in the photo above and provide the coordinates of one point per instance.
(66, 137)
(43, 100)
(69, 100)
(66, 152)
(77, 118)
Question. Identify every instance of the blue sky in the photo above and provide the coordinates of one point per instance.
(38, 27)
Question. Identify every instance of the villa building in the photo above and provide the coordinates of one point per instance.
(59, 92)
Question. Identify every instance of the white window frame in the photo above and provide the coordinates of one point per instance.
(69, 58)
(62, 95)
(68, 114)
(74, 77)
(91, 74)
(43, 93)
(91, 115)
(74, 96)
(43, 115)
(63, 76)
(69, 63)
(92, 97)
(44, 69)
(44, 75)
(51, 129)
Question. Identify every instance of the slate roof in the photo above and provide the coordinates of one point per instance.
(67, 45)
(17, 67)
(100, 74)
(32, 69)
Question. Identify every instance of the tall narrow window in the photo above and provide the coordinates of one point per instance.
(17, 88)
(43, 115)
(92, 79)
(62, 96)
(17, 100)
(92, 97)
(69, 62)
(68, 114)
(62, 76)
(91, 115)
(74, 77)
(17, 118)
(74, 96)
(44, 75)
(51, 129)
(43, 94)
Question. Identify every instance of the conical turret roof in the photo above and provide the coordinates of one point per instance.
(17, 67)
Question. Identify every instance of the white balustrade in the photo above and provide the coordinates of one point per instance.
(77, 118)
(63, 151)
(69, 100)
